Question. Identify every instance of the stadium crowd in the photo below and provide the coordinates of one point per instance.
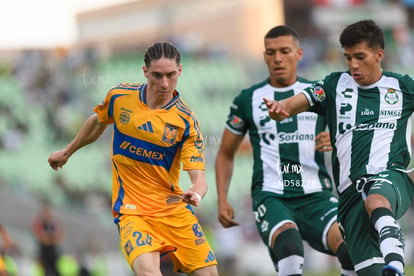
(45, 95)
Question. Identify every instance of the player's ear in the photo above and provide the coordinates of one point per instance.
(180, 69)
(380, 55)
(300, 53)
(145, 69)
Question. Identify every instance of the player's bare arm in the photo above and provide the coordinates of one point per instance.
(91, 130)
(198, 188)
(279, 110)
(224, 170)
(323, 142)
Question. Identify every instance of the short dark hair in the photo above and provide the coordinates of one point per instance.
(364, 30)
(159, 50)
(281, 30)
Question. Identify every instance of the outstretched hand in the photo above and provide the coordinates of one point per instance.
(276, 110)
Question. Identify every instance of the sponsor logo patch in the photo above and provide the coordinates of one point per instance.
(172, 199)
(156, 155)
(319, 93)
(128, 247)
(146, 127)
(199, 144)
(196, 159)
(124, 117)
(236, 122)
(197, 230)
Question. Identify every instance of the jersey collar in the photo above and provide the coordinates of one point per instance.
(143, 99)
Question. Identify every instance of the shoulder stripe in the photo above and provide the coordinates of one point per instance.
(196, 125)
(126, 86)
(141, 93)
(111, 104)
(183, 109)
(171, 104)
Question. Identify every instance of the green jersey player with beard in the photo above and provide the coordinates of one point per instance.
(368, 113)
(291, 187)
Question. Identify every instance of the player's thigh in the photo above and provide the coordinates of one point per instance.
(193, 251)
(316, 214)
(147, 264)
(396, 186)
(205, 271)
(360, 236)
(270, 213)
(139, 235)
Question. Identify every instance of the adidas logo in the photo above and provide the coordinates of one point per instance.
(210, 257)
(146, 127)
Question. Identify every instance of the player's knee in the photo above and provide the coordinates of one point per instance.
(288, 243)
(288, 252)
(285, 226)
(334, 238)
(375, 201)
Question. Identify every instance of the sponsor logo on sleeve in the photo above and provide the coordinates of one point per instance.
(196, 159)
(199, 144)
(236, 122)
(319, 93)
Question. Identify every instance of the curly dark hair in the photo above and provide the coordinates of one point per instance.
(364, 30)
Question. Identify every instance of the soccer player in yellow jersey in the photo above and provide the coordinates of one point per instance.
(155, 132)
(3, 271)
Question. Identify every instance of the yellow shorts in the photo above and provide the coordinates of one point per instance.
(180, 235)
(2, 265)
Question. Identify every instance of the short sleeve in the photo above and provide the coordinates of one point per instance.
(236, 119)
(316, 96)
(103, 110)
(192, 151)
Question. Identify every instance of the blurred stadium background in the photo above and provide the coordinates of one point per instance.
(58, 59)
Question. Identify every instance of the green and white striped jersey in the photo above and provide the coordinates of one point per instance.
(370, 126)
(285, 160)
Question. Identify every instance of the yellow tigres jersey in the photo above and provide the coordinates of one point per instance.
(148, 149)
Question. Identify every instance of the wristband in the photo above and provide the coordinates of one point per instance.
(197, 196)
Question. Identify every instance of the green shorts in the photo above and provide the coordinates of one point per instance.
(314, 215)
(359, 234)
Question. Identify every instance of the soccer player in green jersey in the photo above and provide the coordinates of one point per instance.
(291, 187)
(368, 113)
